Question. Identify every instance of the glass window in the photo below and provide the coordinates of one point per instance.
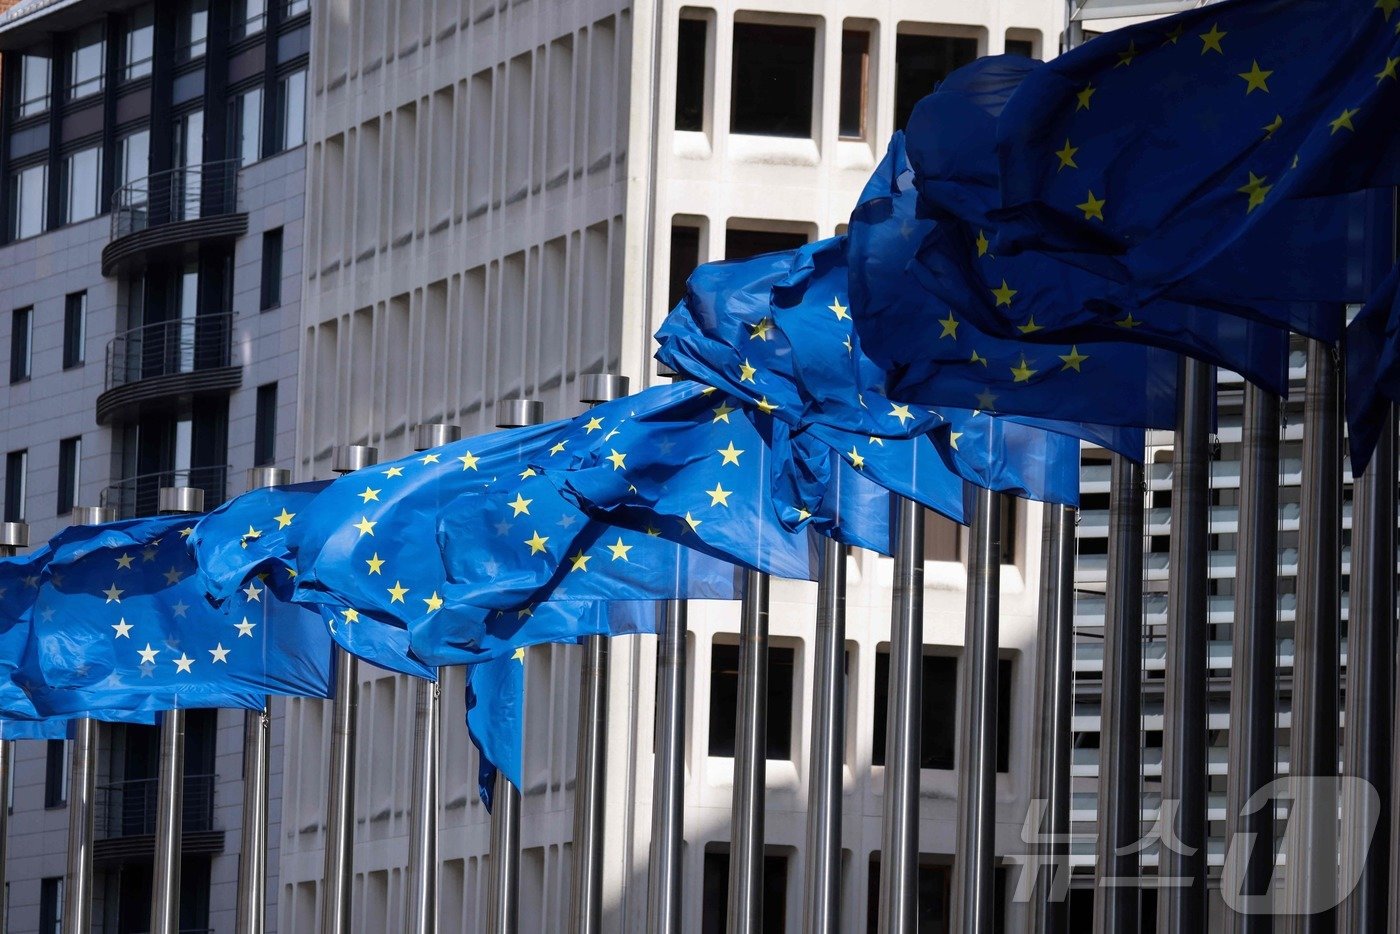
(724, 699)
(21, 334)
(74, 330)
(741, 244)
(29, 199)
(920, 62)
(296, 7)
(685, 256)
(82, 173)
(690, 74)
(56, 773)
(774, 73)
(715, 886)
(855, 83)
(249, 17)
(51, 900)
(245, 126)
(293, 114)
(86, 62)
(133, 166)
(194, 31)
(139, 47)
(35, 76)
(271, 269)
(16, 483)
(70, 457)
(265, 426)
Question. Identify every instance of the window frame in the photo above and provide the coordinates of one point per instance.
(70, 468)
(75, 329)
(265, 426)
(23, 104)
(56, 753)
(77, 88)
(21, 344)
(741, 92)
(95, 176)
(270, 269)
(19, 230)
(17, 483)
(135, 69)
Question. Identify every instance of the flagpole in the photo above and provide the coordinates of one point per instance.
(170, 802)
(899, 840)
(1117, 868)
(750, 761)
(828, 725)
(1182, 866)
(589, 785)
(668, 803)
(505, 812)
(339, 866)
(14, 536)
(1311, 868)
(1254, 653)
(1055, 690)
(973, 908)
(427, 747)
(1369, 733)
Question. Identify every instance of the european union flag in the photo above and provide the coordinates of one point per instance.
(1373, 370)
(255, 533)
(19, 587)
(495, 719)
(1162, 146)
(121, 623)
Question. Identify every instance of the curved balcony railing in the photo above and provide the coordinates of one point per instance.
(140, 495)
(128, 809)
(181, 194)
(180, 345)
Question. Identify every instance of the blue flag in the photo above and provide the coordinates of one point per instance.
(255, 533)
(1372, 370)
(19, 587)
(121, 623)
(495, 720)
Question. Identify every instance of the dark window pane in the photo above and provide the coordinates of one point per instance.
(942, 537)
(69, 458)
(1022, 47)
(935, 898)
(74, 330)
(920, 62)
(772, 75)
(716, 893)
(50, 905)
(690, 74)
(685, 256)
(16, 465)
(271, 295)
(1010, 506)
(855, 82)
(21, 330)
(741, 244)
(265, 426)
(724, 699)
(938, 720)
(55, 773)
(781, 662)
(1004, 715)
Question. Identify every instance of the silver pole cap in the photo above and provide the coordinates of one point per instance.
(597, 388)
(665, 372)
(94, 515)
(517, 413)
(180, 499)
(14, 534)
(435, 435)
(348, 457)
(260, 478)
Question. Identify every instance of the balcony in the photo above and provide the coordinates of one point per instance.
(161, 365)
(125, 819)
(140, 495)
(172, 213)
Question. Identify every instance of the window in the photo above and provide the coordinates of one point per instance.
(82, 178)
(716, 891)
(271, 269)
(21, 334)
(724, 699)
(942, 538)
(265, 426)
(1020, 46)
(690, 74)
(139, 48)
(935, 897)
(70, 458)
(249, 17)
(920, 62)
(56, 773)
(1010, 509)
(193, 39)
(51, 905)
(292, 115)
(74, 330)
(16, 466)
(29, 195)
(133, 166)
(86, 62)
(245, 126)
(685, 256)
(741, 244)
(855, 84)
(773, 79)
(938, 717)
(35, 75)
(296, 7)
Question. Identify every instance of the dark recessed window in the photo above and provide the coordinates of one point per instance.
(21, 343)
(265, 426)
(245, 120)
(271, 292)
(56, 773)
(724, 699)
(29, 201)
(249, 17)
(938, 721)
(685, 256)
(690, 74)
(713, 915)
(87, 61)
(50, 905)
(1010, 510)
(193, 38)
(855, 83)
(772, 80)
(16, 484)
(74, 329)
(35, 76)
(741, 244)
(935, 897)
(920, 62)
(1022, 47)
(70, 459)
(138, 47)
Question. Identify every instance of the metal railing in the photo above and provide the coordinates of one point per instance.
(180, 345)
(140, 495)
(128, 809)
(180, 194)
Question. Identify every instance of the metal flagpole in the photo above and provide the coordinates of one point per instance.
(899, 839)
(828, 746)
(14, 536)
(170, 803)
(1254, 652)
(587, 907)
(1117, 899)
(668, 805)
(252, 850)
(1055, 693)
(340, 804)
(750, 761)
(1311, 870)
(1369, 732)
(427, 745)
(505, 812)
(973, 907)
(1182, 860)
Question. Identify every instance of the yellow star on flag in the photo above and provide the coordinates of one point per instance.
(719, 496)
(1023, 373)
(760, 330)
(692, 522)
(1256, 79)
(1092, 208)
(730, 455)
(766, 407)
(1066, 157)
(375, 563)
(521, 505)
(1083, 97)
(536, 543)
(838, 309)
(1004, 294)
(351, 615)
(469, 461)
(722, 413)
(580, 561)
(394, 472)
(284, 518)
(1126, 57)
(953, 437)
(950, 326)
(1256, 189)
(557, 449)
(396, 592)
(1129, 322)
(618, 459)
(1175, 34)
(365, 526)
(429, 459)
(978, 358)
(1387, 7)
(902, 413)
(527, 473)
(124, 562)
(1211, 40)
(368, 494)
(113, 594)
(519, 655)
(1030, 327)
(982, 243)
(1389, 70)
(1344, 121)
(1073, 359)
(594, 424)
(856, 460)
(434, 602)
(619, 550)
(746, 372)
(1274, 127)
